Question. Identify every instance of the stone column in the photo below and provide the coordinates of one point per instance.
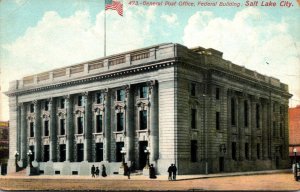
(53, 131)
(129, 130)
(153, 121)
(23, 152)
(107, 129)
(87, 127)
(69, 128)
(240, 127)
(37, 131)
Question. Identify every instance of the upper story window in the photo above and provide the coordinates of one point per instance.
(257, 116)
(80, 125)
(193, 89)
(143, 92)
(46, 128)
(121, 95)
(232, 111)
(193, 118)
(99, 98)
(143, 119)
(62, 127)
(245, 113)
(31, 108)
(31, 129)
(217, 93)
(62, 103)
(46, 107)
(120, 121)
(79, 100)
(99, 122)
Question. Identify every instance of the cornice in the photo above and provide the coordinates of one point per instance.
(152, 66)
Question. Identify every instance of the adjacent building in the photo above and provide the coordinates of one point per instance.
(294, 121)
(162, 104)
(3, 142)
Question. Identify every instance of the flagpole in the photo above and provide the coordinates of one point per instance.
(104, 29)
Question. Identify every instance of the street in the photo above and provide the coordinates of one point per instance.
(269, 182)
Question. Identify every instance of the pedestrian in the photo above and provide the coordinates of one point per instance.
(93, 171)
(152, 172)
(103, 171)
(170, 172)
(174, 170)
(97, 171)
(129, 172)
(125, 169)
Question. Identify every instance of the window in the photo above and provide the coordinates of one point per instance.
(62, 103)
(143, 92)
(31, 108)
(281, 130)
(247, 151)
(143, 119)
(257, 116)
(217, 93)
(119, 146)
(46, 128)
(120, 121)
(121, 95)
(62, 127)
(80, 152)
(193, 120)
(274, 128)
(46, 105)
(99, 98)
(258, 150)
(232, 111)
(218, 120)
(31, 125)
(80, 125)
(281, 151)
(193, 89)
(233, 150)
(194, 150)
(245, 113)
(62, 153)
(79, 100)
(99, 123)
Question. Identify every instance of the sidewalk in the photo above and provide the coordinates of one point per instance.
(142, 177)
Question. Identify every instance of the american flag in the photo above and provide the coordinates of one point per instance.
(114, 5)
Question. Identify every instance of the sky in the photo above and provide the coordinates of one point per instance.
(40, 35)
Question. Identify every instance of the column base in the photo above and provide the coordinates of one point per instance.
(146, 171)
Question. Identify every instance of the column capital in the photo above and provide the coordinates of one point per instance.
(67, 97)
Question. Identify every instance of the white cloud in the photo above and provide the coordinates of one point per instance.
(250, 39)
(56, 41)
(171, 19)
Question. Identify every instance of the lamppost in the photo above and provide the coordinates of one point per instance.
(123, 152)
(29, 154)
(147, 151)
(295, 155)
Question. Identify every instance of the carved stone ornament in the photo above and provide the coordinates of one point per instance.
(142, 105)
(61, 114)
(119, 108)
(79, 112)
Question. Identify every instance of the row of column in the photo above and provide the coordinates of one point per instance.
(87, 134)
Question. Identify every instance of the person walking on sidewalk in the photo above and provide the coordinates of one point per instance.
(93, 171)
(97, 171)
(170, 172)
(103, 171)
(174, 171)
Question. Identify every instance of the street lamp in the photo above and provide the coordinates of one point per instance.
(295, 155)
(147, 151)
(29, 154)
(123, 152)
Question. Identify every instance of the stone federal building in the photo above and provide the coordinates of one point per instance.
(177, 105)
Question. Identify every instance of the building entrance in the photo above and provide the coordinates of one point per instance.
(142, 154)
(221, 164)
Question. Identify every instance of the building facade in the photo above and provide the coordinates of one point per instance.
(167, 103)
(294, 134)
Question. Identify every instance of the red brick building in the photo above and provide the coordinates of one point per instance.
(294, 114)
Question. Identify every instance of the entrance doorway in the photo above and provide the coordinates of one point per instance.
(221, 164)
(99, 152)
(142, 154)
(119, 147)
(46, 153)
(62, 152)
